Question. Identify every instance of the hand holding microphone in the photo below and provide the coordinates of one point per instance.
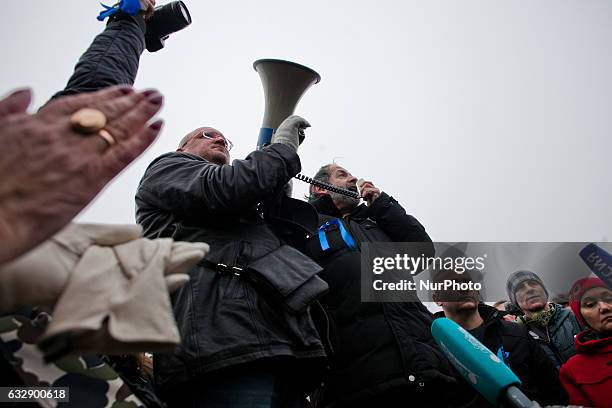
(367, 190)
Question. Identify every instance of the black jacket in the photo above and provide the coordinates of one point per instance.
(111, 59)
(376, 347)
(512, 344)
(557, 338)
(223, 319)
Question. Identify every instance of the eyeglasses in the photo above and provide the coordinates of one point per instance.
(228, 143)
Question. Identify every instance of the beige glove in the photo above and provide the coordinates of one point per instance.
(40, 276)
(110, 288)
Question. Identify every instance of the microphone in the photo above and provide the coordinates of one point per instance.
(599, 261)
(479, 366)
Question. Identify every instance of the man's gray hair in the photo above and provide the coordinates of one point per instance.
(186, 139)
(323, 174)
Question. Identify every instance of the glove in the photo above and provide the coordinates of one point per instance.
(41, 275)
(291, 131)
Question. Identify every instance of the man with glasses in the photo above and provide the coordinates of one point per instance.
(217, 150)
(241, 346)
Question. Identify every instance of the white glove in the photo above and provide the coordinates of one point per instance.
(288, 133)
(40, 276)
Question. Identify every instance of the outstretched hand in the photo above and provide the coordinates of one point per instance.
(50, 172)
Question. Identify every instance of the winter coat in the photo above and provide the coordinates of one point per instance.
(112, 58)
(557, 338)
(515, 347)
(587, 376)
(225, 319)
(376, 347)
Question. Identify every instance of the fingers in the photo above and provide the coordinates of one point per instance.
(134, 116)
(365, 184)
(78, 237)
(17, 102)
(295, 121)
(176, 281)
(119, 106)
(67, 105)
(120, 155)
(148, 8)
(303, 123)
(128, 116)
(368, 191)
(109, 235)
(184, 256)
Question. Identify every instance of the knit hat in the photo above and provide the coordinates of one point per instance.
(516, 279)
(576, 293)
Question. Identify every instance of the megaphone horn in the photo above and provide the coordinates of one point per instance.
(284, 83)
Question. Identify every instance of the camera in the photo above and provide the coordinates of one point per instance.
(166, 19)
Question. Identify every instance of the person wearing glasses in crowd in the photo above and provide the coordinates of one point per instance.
(240, 345)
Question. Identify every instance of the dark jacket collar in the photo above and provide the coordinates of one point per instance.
(325, 205)
(490, 315)
(590, 342)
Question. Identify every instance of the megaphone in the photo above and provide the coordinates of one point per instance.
(284, 83)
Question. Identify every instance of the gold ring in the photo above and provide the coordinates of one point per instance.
(108, 138)
(87, 121)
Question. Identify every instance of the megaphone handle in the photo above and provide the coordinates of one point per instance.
(327, 186)
(265, 137)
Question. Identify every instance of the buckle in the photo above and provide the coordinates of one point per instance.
(232, 269)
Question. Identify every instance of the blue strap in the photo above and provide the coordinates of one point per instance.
(348, 239)
(131, 7)
(503, 355)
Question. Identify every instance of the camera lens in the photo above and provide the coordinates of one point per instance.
(185, 12)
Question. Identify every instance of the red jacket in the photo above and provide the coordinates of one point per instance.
(587, 376)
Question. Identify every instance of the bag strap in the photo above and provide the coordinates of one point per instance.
(348, 239)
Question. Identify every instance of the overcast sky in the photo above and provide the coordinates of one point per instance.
(488, 120)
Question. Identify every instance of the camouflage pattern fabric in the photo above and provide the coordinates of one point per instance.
(91, 381)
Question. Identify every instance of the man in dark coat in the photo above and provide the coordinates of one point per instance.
(383, 354)
(241, 343)
(238, 345)
(509, 341)
(551, 325)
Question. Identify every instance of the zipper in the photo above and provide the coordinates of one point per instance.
(552, 346)
(327, 327)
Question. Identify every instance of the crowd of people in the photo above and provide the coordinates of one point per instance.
(241, 305)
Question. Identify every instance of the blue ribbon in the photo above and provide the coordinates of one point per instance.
(348, 239)
(131, 7)
(503, 355)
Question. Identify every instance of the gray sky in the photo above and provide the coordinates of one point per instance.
(488, 120)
